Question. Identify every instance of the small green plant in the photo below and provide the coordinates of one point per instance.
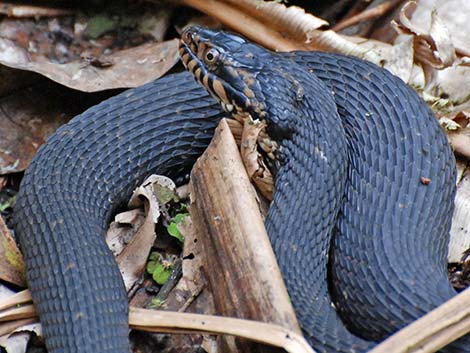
(159, 268)
(173, 226)
(156, 303)
(8, 203)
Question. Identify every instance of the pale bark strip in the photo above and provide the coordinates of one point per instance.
(241, 266)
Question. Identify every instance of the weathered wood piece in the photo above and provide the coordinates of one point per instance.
(240, 264)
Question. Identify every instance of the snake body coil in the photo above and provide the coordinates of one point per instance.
(367, 186)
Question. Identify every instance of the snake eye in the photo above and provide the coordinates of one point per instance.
(188, 36)
(211, 56)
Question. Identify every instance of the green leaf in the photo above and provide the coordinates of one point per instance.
(156, 303)
(8, 203)
(173, 226)
(151, 266)
(154, 256)
(164, 193)
(161, 274)
(99, 25)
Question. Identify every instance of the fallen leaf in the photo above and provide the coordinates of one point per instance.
(453, 14)
(253, 160)
(460, 230)
(153, 194)
(294, 29)
(18, 340)
(123, 228)
(131, 67)
(12, 268)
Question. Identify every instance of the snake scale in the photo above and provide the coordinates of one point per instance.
(363, 195)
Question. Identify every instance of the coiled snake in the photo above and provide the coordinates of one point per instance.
(361, 158)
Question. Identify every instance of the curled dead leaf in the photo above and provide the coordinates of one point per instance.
(295, 20)
(432, 46)
(12, 268)
(253, 160)
(133, 258)
(460, 230)
(294, 29)
(130, 67)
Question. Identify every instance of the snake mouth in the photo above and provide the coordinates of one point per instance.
(211, 83)
(227, 83)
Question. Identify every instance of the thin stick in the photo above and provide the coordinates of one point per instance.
(165, 321)
(274, 335)
(368, 14)
(16, 299)
(433, 331)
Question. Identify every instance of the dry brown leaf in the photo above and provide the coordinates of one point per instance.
(129, 68)
(256, 169)
(460, 230)
(133, 258)
(257, 26)
(363, 18)
(399, 58)
(434, 31)
(12, 268)
(452, 83)
(433, 45)
(17, 341)
(454, 14)
(118, 236)
(460, 141)
(293, 19)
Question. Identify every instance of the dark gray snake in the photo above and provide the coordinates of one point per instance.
(361, 156)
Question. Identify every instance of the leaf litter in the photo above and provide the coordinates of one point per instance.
(430, 52)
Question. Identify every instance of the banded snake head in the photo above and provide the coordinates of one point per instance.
(227, 66)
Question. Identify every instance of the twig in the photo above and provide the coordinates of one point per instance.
(164, 321)
(433, 331)
(368, 14)
(274, 335)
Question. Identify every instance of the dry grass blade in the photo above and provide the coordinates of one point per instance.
(256, 25)
(430, 333)
(164, 321)
(23, 312)
(433, 331)
(9, 327)
(293, 19)
(368, 14)
(15, 300)
(274, 335)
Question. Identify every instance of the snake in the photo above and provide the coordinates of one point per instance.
(360, 217)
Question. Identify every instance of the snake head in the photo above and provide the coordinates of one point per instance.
(227, 66)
